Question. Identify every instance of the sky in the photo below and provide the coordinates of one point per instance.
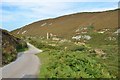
(15, 14)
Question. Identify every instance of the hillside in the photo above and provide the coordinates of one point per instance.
(81, 45)
(69, 25)
(10, 47)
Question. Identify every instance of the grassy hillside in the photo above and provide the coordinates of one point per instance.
(68, 59)
(69, 25)
(11, 45)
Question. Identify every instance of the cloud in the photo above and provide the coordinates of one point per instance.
(61, 1)
(35, 10)
(16, 13)
(41, 9)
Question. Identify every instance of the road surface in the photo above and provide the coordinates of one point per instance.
(26, 65)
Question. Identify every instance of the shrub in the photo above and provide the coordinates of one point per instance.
(78, 48)
(21, 47)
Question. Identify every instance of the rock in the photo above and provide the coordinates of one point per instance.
(118, 31)
(80, 43)
(99, 52)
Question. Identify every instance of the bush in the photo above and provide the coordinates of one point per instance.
(21, 47)
(78, 48)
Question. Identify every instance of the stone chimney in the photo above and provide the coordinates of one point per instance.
(47, 35)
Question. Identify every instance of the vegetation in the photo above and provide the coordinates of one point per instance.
(63, 64)
(68, 60)
(21, 47)
(65, 26)
(90, 28)
(11, 45)
(93, 52)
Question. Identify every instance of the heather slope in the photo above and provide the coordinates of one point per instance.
(65, 26)
(10, 46)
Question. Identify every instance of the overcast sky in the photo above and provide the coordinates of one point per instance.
(23, 12)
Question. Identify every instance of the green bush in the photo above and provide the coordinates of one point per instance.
(78, 48)
(21, 47)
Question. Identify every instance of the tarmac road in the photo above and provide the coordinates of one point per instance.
(26, 65)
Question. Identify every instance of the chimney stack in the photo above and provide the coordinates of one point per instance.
(47, 35)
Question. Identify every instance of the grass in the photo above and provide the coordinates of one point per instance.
(44, 62)
(101, 40)
(111, 59)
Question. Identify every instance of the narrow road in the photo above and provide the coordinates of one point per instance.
(26, 65)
